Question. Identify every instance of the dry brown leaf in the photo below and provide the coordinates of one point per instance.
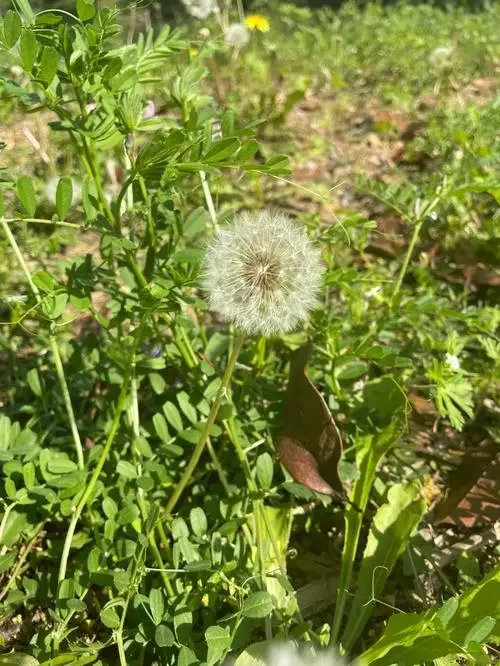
(473, 497)
(309, 443)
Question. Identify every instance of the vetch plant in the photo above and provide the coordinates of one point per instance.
(137, 340)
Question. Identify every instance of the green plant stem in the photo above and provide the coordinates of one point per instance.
(164, 539)
(407, 259)
(53, 345)
(131, 590)
(100, 464)
(218, 468)
(118, 211)
(225, 484)
(420, 216)
(119, 642)
(130, 191)
(5, 517)
(150, 235)
(208, 199)
(37, 220)
(67, 401)
(140, 492)
(97, 181)
(22, 559)
(241, 11)
(20, 258)
(353, 522)
(191, 466)
(185, 347)
(160, 564)
(252, 486)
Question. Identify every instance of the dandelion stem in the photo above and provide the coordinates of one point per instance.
(241, 11)
(191, 466)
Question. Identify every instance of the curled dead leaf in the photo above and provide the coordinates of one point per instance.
(309, 443)
(472, 498)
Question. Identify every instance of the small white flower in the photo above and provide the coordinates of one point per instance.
(216, 130)
(374, 291)
(440, 57)
(16, 71)
(199, 8)
(237, 35)
(19, 298)
(149, 110)
(359, 385)
(262, 273)
(204, 33)
(453, 362)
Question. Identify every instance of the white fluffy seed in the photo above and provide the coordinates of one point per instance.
(262, 273)
(199, 8)
(237, 35)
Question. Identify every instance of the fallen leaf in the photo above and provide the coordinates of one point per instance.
(473, 498)
(309, 443)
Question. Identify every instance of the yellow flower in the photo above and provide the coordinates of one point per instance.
(193, 52)
(257, 22)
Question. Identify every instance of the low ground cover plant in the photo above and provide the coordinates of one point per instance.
(237, 387)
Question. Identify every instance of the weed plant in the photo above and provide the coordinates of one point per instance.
(146, 518)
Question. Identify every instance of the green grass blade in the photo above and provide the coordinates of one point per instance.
(370, 450)
(391, 528)
(24, 9)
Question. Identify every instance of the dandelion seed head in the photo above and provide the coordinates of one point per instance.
(440, 57)
(237, 35)
(199, 8)
(262, 273)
